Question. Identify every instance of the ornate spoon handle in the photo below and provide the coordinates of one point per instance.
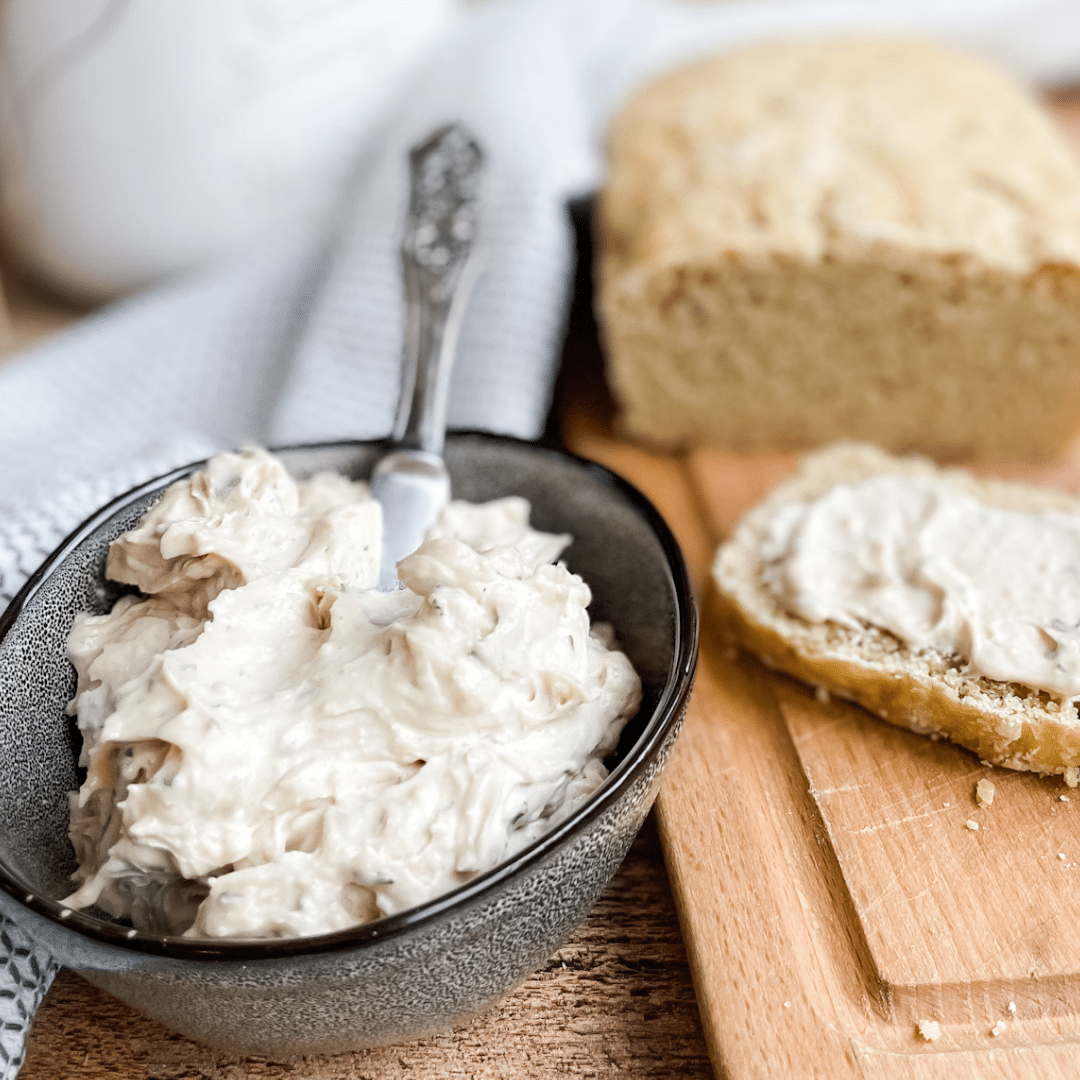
(435, 251)
(411, 481)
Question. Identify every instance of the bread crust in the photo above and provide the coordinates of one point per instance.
(1003, 723)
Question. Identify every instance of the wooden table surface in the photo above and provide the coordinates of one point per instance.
(615, 1000)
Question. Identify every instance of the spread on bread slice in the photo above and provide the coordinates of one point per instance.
(943, 603)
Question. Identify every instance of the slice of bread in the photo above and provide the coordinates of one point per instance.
(919, 689)
(871, 239)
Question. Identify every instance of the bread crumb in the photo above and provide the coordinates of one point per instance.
(984, 792)
(823, 695)
(998, 1028)
(1012, 1007)
(930, 1030)
(1072, 776)
(1064, 798)
(972, 825)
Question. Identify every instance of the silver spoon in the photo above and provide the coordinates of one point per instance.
(411, 481)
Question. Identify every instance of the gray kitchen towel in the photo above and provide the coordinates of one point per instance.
(298, 339)
(26, 972)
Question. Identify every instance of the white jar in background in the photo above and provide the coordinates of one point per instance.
(139, 138)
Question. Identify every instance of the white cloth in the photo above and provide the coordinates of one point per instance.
(300, 341)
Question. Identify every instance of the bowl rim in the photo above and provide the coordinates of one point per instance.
(665, 715)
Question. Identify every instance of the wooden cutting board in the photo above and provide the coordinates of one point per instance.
(831, 892)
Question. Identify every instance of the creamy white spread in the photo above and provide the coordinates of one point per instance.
(275, 748)
(940, 570)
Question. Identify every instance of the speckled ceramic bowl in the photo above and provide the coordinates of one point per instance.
(401, 977)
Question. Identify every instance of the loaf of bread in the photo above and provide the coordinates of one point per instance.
(869, 239)
(917, 686)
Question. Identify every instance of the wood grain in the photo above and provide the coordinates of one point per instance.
(615, 1000)
(939, 903)
(830, 892)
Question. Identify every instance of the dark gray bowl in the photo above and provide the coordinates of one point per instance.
(411, 974)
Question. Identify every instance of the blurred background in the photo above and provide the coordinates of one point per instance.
(141, 139)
